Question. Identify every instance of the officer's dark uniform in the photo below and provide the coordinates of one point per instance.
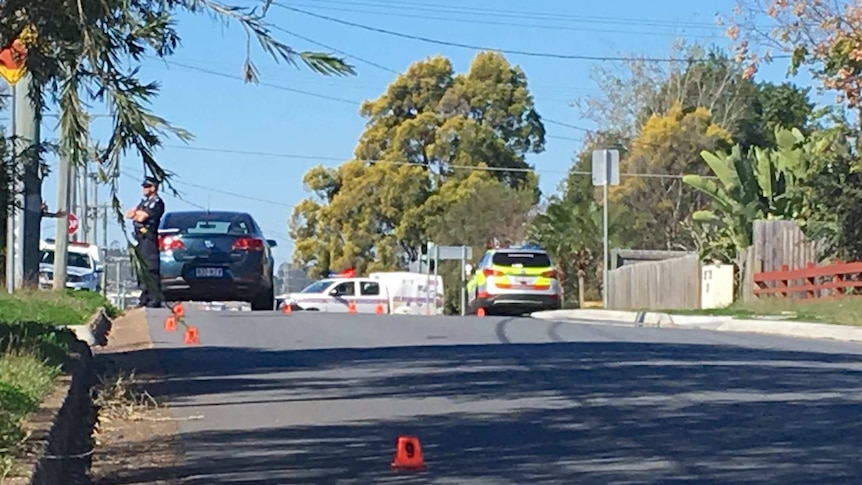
(147, 235)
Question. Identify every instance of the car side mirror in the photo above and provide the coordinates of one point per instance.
(333, 292)
(100, 268)
(272, 243)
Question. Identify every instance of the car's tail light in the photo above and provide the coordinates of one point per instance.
(492, 272)
(248, 244)
(170, 243)
(550, 274)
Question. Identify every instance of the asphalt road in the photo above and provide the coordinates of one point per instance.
(320, 399)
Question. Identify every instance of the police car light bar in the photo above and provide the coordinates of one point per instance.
(71, 243)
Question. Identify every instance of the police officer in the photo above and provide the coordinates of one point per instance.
(146, 217)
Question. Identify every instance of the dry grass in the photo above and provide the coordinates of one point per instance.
(120, 396)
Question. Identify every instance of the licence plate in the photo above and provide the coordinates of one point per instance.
(209, 272)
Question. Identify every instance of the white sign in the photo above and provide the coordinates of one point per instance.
(449, 253)
(606, 167)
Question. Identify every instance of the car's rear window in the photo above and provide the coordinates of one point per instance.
(522, 260)
(209, 224)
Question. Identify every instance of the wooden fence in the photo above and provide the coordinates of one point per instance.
(656, 285)
(775, 244)
(811, 282)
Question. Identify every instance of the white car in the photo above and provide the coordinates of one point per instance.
(83, 266)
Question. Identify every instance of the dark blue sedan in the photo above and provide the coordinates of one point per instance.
(216, 256)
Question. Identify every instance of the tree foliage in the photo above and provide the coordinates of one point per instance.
(833, 195)
(443, 156)
(824, 36)
(668, 145)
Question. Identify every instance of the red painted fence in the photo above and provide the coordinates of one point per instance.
(827, 281)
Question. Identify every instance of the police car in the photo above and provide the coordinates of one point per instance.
(83, 266)
(513, 280)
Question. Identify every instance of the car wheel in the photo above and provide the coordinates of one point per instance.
(264, 302)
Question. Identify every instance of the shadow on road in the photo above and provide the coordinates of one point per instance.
(542, 413)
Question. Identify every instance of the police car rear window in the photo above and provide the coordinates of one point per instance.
(522, 260)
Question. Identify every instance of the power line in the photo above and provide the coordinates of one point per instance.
(570, 57)
(254, 153)
(317, 95)
(225, 192)
(567, 125)
(523, 14)
(454, 167)
(464, 17)
(269, 85)
(337, 51)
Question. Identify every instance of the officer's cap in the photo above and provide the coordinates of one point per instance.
(150, 181)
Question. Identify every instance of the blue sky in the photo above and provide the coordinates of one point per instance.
(254, 143)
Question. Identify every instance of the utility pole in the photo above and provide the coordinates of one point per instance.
(105, 209)
(85, 207)
(22, 244)
(61, 241)
(73, 197)
(95, 238)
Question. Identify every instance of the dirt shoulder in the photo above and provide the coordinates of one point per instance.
(137, 441)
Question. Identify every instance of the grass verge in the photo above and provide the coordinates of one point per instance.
(52, 308)
(844, 311)
(33, 349)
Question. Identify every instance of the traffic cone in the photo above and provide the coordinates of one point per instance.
(192, 337)
(170, 323)
(408, 454)
(351, 307)
(178, 310)
(379, 310)
(286, 308)
(481, 312)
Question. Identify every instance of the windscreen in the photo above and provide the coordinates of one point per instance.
(76, 260)
(522, 260)
(317, 286)
(209, 224)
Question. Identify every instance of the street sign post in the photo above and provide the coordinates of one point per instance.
(606, 171)
(73, 224)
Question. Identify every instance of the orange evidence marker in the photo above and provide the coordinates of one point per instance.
(286, 309)
(191, 337)
(408, 454)
(379, 310)
(170, 323)
(351, 307)
(481, 312)
(178, 310)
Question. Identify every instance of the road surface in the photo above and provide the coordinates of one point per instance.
(313, 398)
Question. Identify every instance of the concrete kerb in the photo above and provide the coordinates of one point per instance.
(618, 317)
(788, 328)
(96, 331)
(785, 328)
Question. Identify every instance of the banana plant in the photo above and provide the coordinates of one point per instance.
(754, 185)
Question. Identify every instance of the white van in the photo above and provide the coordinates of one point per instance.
(396, 292)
